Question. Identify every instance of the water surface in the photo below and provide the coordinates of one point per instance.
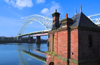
(12, 53)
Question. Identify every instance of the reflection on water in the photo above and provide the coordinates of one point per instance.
(38, 47)
(23, 54)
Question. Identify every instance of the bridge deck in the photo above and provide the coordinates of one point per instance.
(33, 33)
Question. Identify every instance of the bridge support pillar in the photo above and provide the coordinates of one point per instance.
(19, 38)
(38, 42)
(30, 39)
(38, 39)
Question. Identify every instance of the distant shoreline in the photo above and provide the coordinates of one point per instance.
(22, 42)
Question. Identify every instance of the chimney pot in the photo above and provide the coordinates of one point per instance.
(55, 10)
(66, 15)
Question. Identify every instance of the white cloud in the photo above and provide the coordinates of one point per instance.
(23, 17)
(49, 11)
(40, 1)
(20, 3)
(45, 10)
(7, 1)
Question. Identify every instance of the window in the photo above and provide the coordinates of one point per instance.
(51, 63)
(90, 41)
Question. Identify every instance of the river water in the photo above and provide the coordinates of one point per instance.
(12, 53)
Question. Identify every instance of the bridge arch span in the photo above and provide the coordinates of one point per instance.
(45, 21)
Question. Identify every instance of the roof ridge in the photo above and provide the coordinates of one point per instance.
(79, 17)
(87, 22)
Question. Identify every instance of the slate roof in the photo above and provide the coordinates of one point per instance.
(81, 20)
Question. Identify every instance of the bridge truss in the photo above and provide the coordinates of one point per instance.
(47, 22)
(96, 20)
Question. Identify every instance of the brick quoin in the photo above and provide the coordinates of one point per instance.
(74, 41)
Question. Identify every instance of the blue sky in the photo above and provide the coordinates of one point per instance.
(14, 12)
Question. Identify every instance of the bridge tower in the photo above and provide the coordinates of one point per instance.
(75, 42)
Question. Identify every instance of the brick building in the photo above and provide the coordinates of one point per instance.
(74, 41)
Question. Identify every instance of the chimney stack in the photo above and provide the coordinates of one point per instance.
(66, 22)
(55, 16)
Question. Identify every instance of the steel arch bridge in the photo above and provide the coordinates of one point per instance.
(47, 22)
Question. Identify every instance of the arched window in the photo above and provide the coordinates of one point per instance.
(51, 63)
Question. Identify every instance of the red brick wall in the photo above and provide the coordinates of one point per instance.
(86, 52)
(74, 44)
(79, 49)
(49, 59)
(50, 42)
(56, 60)
(59, 61)
(56, 43)
(62, 43)
(60, 46)
(72, 63)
